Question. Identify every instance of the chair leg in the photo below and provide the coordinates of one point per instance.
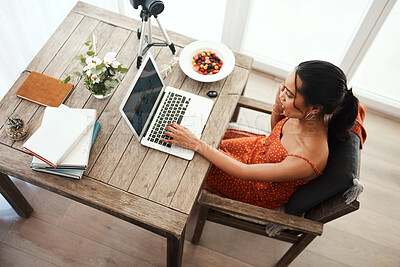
(235, 115)
(201, 220)
(296, 249)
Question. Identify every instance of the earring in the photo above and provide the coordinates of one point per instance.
(310, 116)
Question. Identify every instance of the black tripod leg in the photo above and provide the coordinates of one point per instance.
(138, 33)
(172, 47)
(139, 61)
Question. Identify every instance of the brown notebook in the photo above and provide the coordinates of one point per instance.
(44, 90)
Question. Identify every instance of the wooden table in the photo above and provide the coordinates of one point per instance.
(140, 185)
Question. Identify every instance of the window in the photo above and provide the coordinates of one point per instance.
(278, 31)
(379, 71)
(359, 36)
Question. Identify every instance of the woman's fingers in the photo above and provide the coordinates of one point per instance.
(171, 141)
(169, 133)
(179, 135)
(169, 128)
(167, 140)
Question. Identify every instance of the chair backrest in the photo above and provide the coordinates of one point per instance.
(321, 198)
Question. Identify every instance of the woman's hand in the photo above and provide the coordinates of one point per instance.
(277, 107)
(181, 136)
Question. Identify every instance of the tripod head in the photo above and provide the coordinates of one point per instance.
(152, 7)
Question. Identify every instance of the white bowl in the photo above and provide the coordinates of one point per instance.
(221, 50)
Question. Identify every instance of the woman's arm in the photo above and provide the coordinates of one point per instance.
(289, 169)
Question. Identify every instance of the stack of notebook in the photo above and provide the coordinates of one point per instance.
(62, 143)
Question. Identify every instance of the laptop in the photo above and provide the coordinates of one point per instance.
(149, 106)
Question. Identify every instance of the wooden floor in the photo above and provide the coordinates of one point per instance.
(62, 232)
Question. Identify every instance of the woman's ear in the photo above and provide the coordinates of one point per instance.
(316, 109)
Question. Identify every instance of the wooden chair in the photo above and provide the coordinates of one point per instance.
(299, 231)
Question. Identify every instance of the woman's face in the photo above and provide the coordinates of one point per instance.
(287, 97)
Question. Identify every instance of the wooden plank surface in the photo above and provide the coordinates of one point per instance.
(103, 166)
(133, 154)
(39, 63)
(56, 68)
(163, 188)
(109, 119)
(116, 202)
(120, 140)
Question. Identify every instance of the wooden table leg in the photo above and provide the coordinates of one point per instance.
(175, 249)
(13, 196)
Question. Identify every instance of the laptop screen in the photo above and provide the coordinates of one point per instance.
(143, 97)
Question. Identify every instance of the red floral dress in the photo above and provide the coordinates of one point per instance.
(254, 149)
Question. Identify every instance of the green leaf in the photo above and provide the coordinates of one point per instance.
(93, 70)
(123, 70)
(114, 83)
(67, 79)
(88, 43)
(79, 57)
(100, 66)
(90, 47)
(107, 84)
(90, 53)
(78, 73)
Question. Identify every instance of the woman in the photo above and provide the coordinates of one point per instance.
(313, 104)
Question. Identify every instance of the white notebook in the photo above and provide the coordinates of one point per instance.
(55, 138)
(79, 156)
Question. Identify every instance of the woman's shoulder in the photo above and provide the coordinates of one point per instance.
(315, 150)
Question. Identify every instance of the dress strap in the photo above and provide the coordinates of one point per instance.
(309, 162)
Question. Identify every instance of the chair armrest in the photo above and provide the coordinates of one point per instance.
(331, 209)
(249, 103)
(267, 215)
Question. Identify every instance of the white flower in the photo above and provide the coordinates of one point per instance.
(108, 62)
(110, 55)
(93, 60)
(89, 60)
(95, 79)
(109, 58)
(97, 60)
(115, 64)
(89, 66)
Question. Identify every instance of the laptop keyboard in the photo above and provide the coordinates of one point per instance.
(172, 110)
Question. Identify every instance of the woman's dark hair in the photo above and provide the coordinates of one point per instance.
(324, 84)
